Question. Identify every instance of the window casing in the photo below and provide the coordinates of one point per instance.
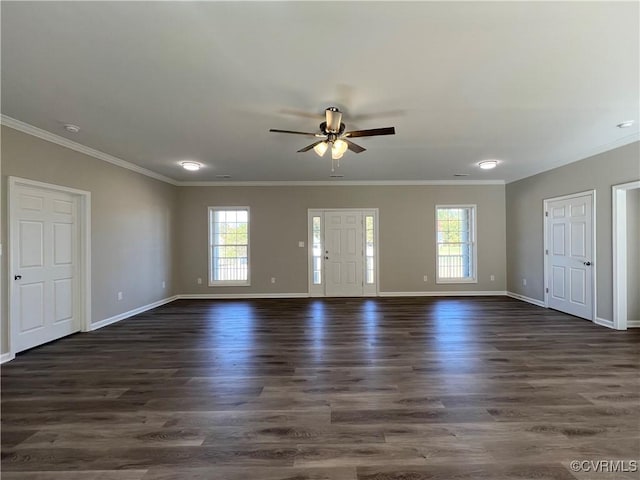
(228, 246)
(456, 258)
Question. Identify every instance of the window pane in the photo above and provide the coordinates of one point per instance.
(455, 243)
(316, 227)
(230, 239)
(370, 269)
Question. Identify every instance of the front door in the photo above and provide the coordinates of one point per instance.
(570, 251)
(44, 236)
(343, 259)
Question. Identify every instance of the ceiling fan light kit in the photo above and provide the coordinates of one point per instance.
(321, 148)
(334, 136)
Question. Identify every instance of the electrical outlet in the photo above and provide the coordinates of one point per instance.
(199, 281)
(425, 278)
(301, 244)
(273, 279)
(524, 282)
(120, 296)
(493, 278)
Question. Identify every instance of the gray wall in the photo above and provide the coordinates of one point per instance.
(131, 222)
(633, 254)
(524, 214)
(145, 231)
(279, 221)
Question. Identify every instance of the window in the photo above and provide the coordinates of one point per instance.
(317, 249)
(369, 236)
(456, 256)
(228, 246)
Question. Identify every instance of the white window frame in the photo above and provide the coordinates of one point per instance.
(474, 246)
(227, 283)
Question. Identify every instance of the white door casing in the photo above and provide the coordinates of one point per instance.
(344, 253)
(569, 252)
(48, 233)
(620, 254)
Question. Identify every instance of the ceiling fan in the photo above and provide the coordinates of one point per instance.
(333, 135)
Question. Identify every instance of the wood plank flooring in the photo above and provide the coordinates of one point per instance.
(326, 389)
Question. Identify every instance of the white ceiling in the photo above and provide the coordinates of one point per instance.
(534, 84)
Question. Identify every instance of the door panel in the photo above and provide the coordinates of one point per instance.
(44, 234)
(570, 250)
(558, 239)
(32, 306)
(63, 299)
(344, 253)
(558, 282)
(62, 243)
(578, 284)
(32, 239)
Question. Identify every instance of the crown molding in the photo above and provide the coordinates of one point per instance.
(340, 183)
(587, 153)
(70, 144)
(64, 142)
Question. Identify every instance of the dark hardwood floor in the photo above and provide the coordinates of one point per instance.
(333, 389)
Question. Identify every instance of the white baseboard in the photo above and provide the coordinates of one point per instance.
(230, 296)
(633, 323)
(524, 298)
(604, 322)
(443, 294)
(131, 313)
(7, 357)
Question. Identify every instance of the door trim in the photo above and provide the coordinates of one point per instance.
(619, 247)
(545, 229)
(83, 299)
(314, 290)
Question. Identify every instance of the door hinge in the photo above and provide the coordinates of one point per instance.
(546, 290)
(546, 252)
(546, 214)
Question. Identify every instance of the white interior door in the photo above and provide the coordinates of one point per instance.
(570, 255)
(44, 236)
(344, 253)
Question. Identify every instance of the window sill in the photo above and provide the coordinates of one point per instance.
(229, 284)
(456, 280)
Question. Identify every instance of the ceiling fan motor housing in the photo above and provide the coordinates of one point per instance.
(326, 131)
(334, 119)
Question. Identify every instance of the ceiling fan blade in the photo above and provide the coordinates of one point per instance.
(371, 133)
(354, 147)
(291, 131)
(309, 147)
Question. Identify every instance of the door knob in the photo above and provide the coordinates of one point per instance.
(17, 277)
(587, 263)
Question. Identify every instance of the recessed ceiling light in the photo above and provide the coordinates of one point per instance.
(71, 128)
(488, 164)
(626, 124)
(191, 166)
